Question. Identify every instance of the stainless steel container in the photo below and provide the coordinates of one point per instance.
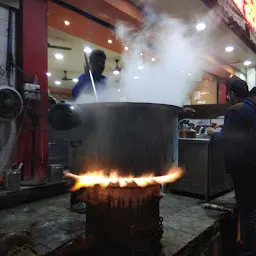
(12, 179)
(133, 138)
(55, 173)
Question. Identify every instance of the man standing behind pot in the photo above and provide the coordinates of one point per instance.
(97, 61)
(238, 138)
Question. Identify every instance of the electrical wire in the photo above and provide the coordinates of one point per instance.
(42, 143)
(42, 130)
(35, 169)
(22, 71)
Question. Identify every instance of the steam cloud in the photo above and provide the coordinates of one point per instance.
(162, 63)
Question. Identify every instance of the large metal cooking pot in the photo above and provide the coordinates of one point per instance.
(133, 138)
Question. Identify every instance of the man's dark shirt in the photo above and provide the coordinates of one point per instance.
(84, 85)
(238, 136)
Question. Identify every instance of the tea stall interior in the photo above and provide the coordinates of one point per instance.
(206, 176)
(205, 173)
(51, 223)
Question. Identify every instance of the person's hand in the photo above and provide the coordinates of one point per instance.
(189, 112)
(211, 131)
(216, 125)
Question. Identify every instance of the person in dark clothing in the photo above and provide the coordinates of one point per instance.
(238, 138)
(97, 61)
(253, 93)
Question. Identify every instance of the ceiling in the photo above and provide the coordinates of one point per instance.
(83, 32)
(220, 36)
(109, 10)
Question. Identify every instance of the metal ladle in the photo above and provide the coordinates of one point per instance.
(87, 69)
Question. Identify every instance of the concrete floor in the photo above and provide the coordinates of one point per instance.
(52, 223)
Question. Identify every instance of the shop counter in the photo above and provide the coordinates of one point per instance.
(205, 174)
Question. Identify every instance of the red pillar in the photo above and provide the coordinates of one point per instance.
(32, 58)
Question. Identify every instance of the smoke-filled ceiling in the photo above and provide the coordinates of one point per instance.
(192, 13)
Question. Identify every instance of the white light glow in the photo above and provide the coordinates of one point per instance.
(200, 26)
(189, 74)
(59, 56)
(119, 90)
(136, 77)
(229, 49)
(48, 74)
(140, 67)
(57, 82)
(126, 48)
(247, 63)
(75, 80)
(110, 41)
(116, 72)
(66, 22)
(87, 49)
(153, 59)
(141, 54)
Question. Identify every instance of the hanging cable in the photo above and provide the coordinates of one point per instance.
(9, 55)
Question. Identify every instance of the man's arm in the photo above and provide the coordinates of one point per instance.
(79, 86)
(230, 128)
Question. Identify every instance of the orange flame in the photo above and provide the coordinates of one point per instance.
(91, 179)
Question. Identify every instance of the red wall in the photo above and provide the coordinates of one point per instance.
(32, 58)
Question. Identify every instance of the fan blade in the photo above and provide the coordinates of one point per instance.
(65, 77)
(59, 47)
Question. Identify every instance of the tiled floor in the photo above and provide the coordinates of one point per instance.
(52, 223)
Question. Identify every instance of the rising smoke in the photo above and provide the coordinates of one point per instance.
(162, 63)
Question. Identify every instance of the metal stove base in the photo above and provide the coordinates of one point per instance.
(124, 221)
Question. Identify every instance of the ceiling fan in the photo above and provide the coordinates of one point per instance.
(59, 47)
(117, 69)
(65, 78)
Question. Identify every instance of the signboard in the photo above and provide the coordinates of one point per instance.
(248, 9)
